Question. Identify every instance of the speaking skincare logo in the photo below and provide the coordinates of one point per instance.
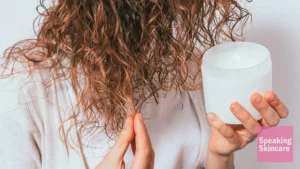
(275, 144)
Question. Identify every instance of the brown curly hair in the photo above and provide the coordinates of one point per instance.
(127, 50)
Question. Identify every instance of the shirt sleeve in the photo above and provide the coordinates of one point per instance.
(19, 137)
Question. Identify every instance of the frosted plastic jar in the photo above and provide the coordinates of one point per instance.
(233, 72)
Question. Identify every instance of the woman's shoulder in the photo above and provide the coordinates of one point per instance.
(12, 79)
(27, 89)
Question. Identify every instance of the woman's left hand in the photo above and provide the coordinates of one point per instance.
(225, 139)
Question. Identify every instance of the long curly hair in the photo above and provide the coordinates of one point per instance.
(122, 52)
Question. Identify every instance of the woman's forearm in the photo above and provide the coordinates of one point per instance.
(215, 161)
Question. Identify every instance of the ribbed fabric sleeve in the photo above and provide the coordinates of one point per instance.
(20, 139)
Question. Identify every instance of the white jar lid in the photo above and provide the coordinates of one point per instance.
(235, 55)
(236, 60)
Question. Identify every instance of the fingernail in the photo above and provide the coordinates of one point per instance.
(271, 97)
(258, 98)
(236, 107)
(141, 117)
(126, 123)
(212, 117)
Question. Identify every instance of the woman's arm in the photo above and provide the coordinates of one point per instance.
(215, 161)
(17, 146)
(20, 138)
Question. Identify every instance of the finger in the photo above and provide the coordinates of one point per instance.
(225, 130)
(269, 115)
(250, 124)
(277, 104)
(133, 146)
(143, 150)
(262, 122)
(151, 163)
(124, 139)
(123, 165)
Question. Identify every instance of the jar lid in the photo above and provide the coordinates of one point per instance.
(235, 55)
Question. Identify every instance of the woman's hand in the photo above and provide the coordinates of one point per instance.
(134, 133)
(225, 139)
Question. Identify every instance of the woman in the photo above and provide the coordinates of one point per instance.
(77, 93)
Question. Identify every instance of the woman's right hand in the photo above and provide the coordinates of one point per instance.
(134, 133)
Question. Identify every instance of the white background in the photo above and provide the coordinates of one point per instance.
(276, 25)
